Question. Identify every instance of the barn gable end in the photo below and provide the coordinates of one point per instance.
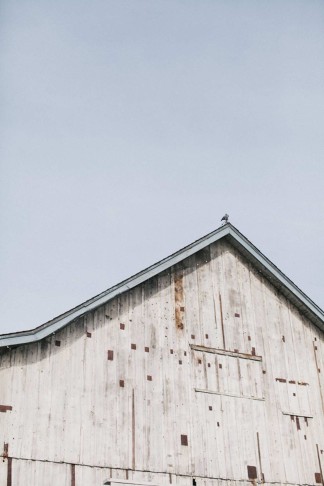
(204, 370)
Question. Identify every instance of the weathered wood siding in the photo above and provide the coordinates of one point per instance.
(204, 372)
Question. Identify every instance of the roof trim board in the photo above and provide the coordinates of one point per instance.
(228, 231)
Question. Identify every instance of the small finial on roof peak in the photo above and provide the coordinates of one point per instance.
(225, 218)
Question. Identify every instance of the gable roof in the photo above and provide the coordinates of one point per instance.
(306, 306)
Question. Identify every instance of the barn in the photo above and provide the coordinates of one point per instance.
(206, 368)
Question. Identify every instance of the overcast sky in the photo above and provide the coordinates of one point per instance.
(129, 127)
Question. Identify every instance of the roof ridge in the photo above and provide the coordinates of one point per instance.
(238, 240)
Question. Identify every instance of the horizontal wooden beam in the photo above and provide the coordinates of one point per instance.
(225, 352)
(212, 392)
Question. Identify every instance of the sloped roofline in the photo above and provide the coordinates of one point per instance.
(227, 231)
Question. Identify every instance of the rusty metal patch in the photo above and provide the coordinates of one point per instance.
(110, 355)
(5, 408)
(318, 478)
(122, 326)
(121, 383)
(184, 440)
(252, 472)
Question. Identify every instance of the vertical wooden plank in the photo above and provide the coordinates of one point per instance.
(73, 475)
(9, 471)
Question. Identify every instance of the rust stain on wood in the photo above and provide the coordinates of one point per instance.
(297, 423)
(122, 326)
(5, 408)
(110, 355)
(178, 296)
(72, 474)
(184, 440)
(9, 472)
(252, 472)
(318, 478)
(5, 450)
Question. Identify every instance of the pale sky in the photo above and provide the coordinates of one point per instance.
(129, 127)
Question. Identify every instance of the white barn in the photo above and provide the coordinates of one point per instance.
(205, 369)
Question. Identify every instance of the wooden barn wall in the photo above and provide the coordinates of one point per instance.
(205, 372)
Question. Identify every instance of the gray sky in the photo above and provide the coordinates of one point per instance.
(129, 127)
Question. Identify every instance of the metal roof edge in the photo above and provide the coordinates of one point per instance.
(51, 327)
(276, 272)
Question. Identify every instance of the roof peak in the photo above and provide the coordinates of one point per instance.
(228, 231)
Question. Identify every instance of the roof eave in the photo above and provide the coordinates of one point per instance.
(270, 271)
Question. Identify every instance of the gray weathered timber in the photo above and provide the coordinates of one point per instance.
(141, 389)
